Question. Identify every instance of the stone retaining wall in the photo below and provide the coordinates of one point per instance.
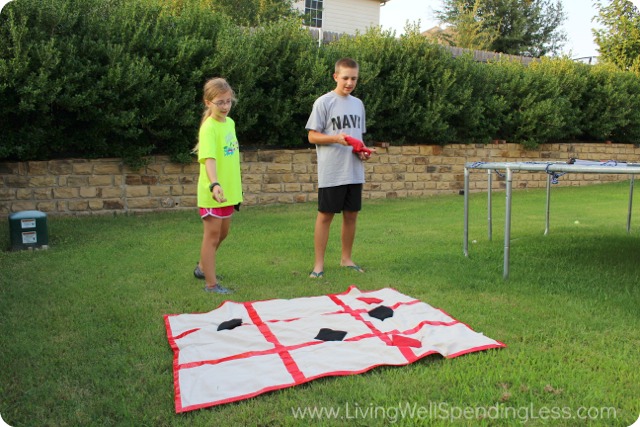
(80, 187)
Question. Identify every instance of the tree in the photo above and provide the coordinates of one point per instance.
(516, 27)
(619, 41)
(253, 13)
(244, 13)
(470, 33)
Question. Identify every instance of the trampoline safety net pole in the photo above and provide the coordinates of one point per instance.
(507, 225)
(465, 240)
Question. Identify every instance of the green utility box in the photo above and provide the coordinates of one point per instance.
(28, 230)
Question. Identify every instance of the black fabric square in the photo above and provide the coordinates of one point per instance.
(381, 312)
(230, 324)
(327, 334)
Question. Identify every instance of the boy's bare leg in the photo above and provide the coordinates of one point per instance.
(348, 236)
(320, 239)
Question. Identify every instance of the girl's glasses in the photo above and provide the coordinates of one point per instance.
(221, 104)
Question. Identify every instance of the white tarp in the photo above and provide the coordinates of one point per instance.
(276, 344)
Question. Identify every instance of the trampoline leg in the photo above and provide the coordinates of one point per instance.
(546, 225)
(465, 240)
(489, 206)
(507, 226)
(630, 204)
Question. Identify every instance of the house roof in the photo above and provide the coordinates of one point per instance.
(436, 33)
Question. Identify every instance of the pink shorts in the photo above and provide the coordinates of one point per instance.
(224, 212)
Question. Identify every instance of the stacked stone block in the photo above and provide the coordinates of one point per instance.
(107, 186)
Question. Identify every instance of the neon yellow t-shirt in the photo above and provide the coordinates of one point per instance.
(218, 141)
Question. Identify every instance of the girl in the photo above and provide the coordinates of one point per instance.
(219, 183)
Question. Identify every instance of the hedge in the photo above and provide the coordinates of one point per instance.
(123, 78)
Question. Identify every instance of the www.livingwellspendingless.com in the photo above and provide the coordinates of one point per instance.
(446, 411)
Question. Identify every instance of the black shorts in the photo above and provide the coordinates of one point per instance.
(343, 197)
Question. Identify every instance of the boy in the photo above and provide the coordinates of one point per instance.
(335, 116)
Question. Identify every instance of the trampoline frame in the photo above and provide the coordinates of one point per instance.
(552, 169)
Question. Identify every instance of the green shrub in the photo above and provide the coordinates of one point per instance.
(479, 112)
(534, 108)
(123, 78)
(611, 105)
(99, 79)
(265, 66)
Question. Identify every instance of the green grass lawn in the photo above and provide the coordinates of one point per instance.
(83, 340)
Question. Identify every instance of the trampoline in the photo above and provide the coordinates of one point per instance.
(554, 170)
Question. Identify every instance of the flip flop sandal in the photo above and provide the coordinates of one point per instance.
(355, 268)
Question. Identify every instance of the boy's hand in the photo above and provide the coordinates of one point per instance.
(342, 139)
(359, 148)
(366, 156)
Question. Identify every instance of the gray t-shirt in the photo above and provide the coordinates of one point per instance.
(333, 114)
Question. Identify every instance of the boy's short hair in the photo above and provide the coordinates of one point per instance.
(346, 63)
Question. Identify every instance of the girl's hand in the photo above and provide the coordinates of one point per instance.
(218, 194)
